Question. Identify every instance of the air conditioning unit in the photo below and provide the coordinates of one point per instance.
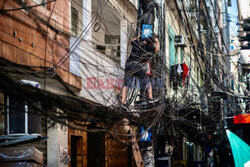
(179, 41)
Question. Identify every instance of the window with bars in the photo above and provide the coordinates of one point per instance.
(74, 21)
(21, 118)
(76, 17)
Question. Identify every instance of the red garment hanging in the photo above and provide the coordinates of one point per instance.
(185, 72)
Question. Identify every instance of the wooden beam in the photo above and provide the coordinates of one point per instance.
(135, 147)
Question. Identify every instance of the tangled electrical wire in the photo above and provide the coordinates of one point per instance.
(77, 112)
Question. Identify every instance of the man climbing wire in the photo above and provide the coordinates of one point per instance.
(142, 51)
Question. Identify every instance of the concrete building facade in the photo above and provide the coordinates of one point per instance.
(79, 48)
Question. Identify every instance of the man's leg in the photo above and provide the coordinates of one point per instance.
(150, 91)
(146, 84)
(128, 83)
(124, 94)
(128, 80)
(144, 81)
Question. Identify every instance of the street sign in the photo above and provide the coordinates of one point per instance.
(146, 135)
(146, 30)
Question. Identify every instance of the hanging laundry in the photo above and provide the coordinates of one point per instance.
(179, 69)
(175, 76)
(178, 74)
(185, 72)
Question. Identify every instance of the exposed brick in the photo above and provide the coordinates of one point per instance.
(43, 62)
(79, 82)
(72, 80)
(40, 40)
(30, 31)
(49, 57)
(22, 57)
(26, 27)
(63, 74)
(55, 59)
(75, 81)
(6, 21)
(59, 53)
(66, 15)
(49, 46)
(34, 61)
(9, 52)
(48, 64)
(10, 39)
(38, 52)
(19, 24)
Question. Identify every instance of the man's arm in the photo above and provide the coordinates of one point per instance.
(134, 41)
(136, 37)
(157, 47)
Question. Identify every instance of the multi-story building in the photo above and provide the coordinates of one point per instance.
(34, 39)
(75, 53)
(62, 48)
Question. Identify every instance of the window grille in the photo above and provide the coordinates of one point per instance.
(21, 118)
(74, 21)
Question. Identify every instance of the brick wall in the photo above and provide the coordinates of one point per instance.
(25, 40)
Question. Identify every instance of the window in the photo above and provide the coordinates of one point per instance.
(113, 51)
(21, 117)
(109, 35)
(172, 51)
(112, 48)
(76, 17)
(74, 21)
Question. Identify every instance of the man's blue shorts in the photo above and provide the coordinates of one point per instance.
(135, 70)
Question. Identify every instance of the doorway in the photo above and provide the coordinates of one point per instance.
(76, 151)
(96, 149)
